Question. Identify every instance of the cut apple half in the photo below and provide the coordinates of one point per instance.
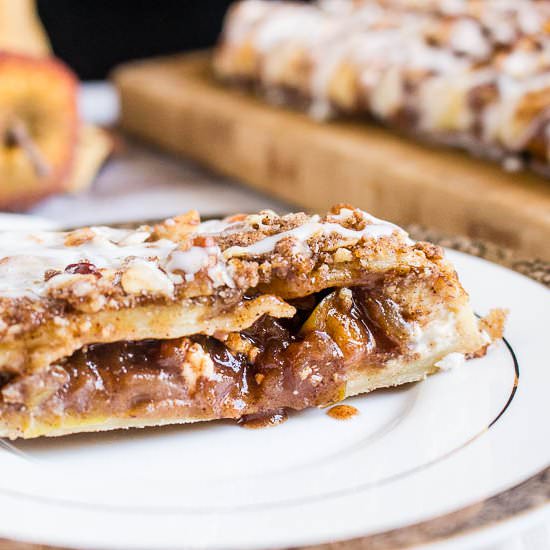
(38, 128)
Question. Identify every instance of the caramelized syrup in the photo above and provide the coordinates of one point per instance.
(294, 368)
(342, 412)
(263, 420)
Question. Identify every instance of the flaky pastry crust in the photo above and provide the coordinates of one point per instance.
(186, 321)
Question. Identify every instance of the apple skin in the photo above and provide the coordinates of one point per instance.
(39, 127)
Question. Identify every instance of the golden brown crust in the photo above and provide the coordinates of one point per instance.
(288, 257)
(228, 272)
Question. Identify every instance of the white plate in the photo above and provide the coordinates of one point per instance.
(410, 455)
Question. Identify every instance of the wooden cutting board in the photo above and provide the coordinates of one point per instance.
(175, 103)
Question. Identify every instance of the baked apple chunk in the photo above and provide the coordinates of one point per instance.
(240, 318)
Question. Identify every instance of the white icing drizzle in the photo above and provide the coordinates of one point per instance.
(191, 261)
(249, 14)
(303, 24)
(26, 257)
(467, 37)
(154, 266)
(214, 227)
(197, 258)
(520, 64)
(374, 230)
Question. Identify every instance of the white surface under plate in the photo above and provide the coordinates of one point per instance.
(410, 455)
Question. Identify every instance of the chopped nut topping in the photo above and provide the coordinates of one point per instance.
(79, 236)
(177, 228)
(142, 277)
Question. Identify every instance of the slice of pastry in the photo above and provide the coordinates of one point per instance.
(106, 328)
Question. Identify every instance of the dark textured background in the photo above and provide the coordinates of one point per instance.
(92, 36)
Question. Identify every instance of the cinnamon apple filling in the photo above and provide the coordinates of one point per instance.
(274, 364)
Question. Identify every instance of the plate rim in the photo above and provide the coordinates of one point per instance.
(528, 497)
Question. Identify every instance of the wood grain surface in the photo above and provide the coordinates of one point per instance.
(175, 103)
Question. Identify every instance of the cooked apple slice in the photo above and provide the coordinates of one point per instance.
(361, 324)
(38, 128)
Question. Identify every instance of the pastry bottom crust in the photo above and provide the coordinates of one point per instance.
(337, 345)
(71, 424)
